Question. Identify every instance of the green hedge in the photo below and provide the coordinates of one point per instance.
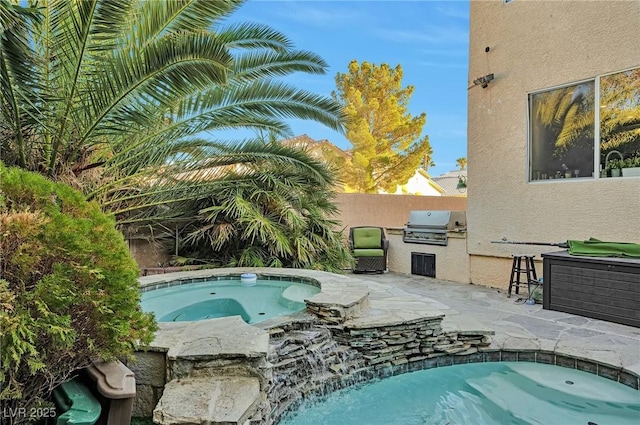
(68, 288)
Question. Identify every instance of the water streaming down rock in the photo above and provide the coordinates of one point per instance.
(306, 360)
(314, 358)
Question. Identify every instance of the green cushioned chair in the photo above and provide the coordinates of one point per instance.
(369, 247)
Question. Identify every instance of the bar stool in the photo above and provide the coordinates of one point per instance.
(528, 269)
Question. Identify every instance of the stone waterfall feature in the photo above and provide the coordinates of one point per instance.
(320, 357)
(305, 359)
(224, 371)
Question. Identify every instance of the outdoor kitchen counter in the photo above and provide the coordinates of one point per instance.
(456, 233)
(451, 261)
(606, 288)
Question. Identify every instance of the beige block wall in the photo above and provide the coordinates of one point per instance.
(370, 210)
(536, 45)
(361, 209)
(452, 261)
(148, 254)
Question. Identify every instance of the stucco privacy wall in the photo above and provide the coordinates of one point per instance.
(148, 254)
(392, 212)
(363, 209)
(355, 209)
(536, 45)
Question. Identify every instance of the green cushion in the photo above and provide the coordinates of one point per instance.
(368, 252)
(367, 237)
(597, 248)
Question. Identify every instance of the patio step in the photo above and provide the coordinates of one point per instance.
(208, 400)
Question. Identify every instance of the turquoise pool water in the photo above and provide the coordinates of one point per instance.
(221, 298)
(504, 393)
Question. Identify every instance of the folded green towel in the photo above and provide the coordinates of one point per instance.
(597, 248)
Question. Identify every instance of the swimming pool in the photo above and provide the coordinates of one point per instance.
(227, 296)
(504, 393)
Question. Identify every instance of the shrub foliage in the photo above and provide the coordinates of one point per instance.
(267, 216)
(68, 288)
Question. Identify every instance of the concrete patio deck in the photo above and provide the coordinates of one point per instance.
(516, 326)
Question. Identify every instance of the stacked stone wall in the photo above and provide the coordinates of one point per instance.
(303, 358)
(317, 358)
(334, 313)
(150, 369)
(391, 345)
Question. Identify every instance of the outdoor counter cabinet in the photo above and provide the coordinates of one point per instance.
(606, 288)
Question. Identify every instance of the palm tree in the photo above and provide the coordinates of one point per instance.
(114, 97)
(462, 163)
(266, 217)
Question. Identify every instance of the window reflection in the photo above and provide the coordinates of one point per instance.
(562, 136)
(563, 139)
(619, 122)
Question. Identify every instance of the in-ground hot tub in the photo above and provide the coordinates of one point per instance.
(223, 296)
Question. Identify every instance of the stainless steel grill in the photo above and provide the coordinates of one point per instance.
(431, 227)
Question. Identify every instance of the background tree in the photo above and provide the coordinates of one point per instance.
(387, 147)
(462, 163)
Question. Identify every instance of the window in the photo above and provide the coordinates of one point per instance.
(585, 130)
(619, 121)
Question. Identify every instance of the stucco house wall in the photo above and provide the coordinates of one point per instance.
(534, 45)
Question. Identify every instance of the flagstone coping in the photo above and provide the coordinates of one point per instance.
(209, 400)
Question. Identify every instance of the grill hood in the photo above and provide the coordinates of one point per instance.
(437, 220)
(431, 227)
(429, 219)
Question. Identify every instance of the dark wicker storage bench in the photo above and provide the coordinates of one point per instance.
(604, 288)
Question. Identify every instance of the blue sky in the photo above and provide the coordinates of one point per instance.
(429, 39)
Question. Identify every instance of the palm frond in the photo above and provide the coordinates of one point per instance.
(261, 64)
(71, 39)
(159, 18)
(254, 36)
(19, 90)
(140, 82)
(253, 105)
